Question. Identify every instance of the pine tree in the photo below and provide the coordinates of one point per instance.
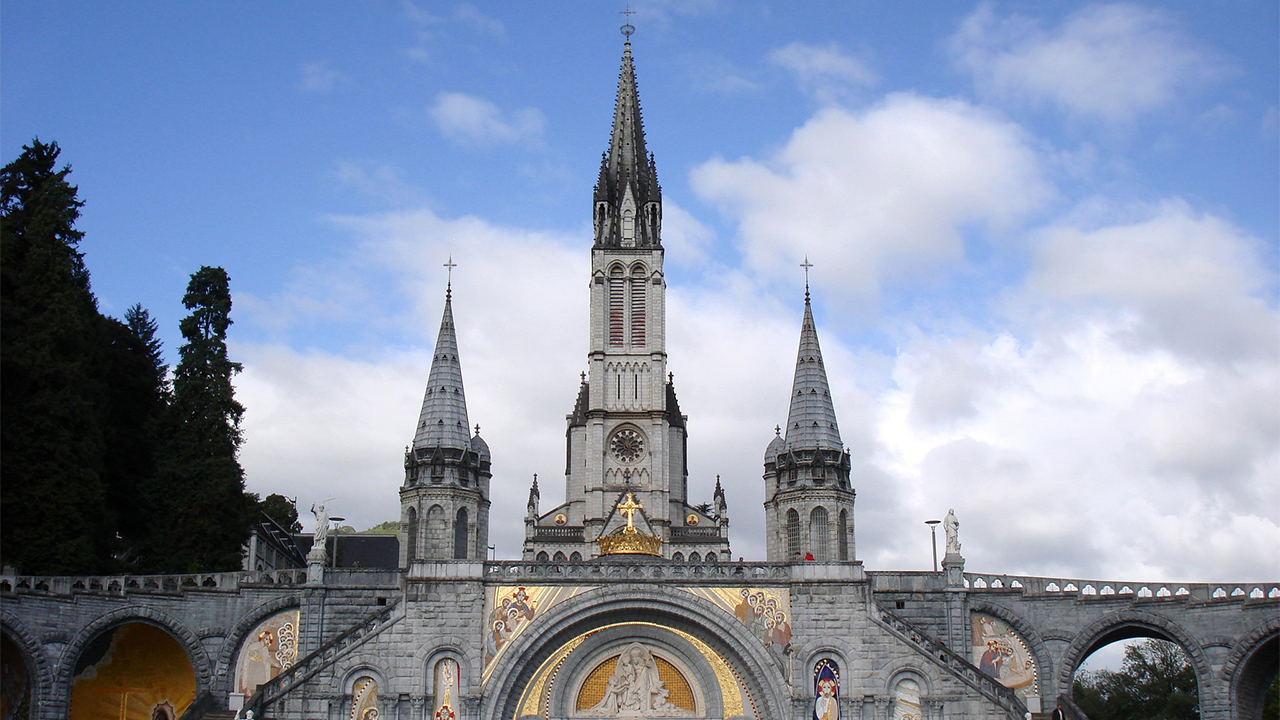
(138, 402)
(50, 440)
(1155, 681)
(202, 517)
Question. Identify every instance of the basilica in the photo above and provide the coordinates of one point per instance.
(627, 601)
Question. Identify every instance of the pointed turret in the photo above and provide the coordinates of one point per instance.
(809, 498)
(443, 420)
(811, 422)
(444, 502)
(628, 199)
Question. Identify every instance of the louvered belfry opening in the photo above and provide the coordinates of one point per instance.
(637, 306)
(617, 307)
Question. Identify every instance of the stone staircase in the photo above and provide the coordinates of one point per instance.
(324, 657)
(953, 663)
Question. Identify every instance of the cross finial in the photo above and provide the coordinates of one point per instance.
(584, 376)
(450, 265)
(628, 509)
(777, 430)
(806, 265)
(627, 28)
(477, 428)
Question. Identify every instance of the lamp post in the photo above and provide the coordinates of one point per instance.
(333, 524)
(933, 533)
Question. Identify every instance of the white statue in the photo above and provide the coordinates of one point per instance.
(635, 690)
(952, 527)
(320, 538)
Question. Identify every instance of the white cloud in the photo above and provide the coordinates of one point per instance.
(685, 239)
(470, 120)
(876, 193)
(472, 15)
(317, 78)
(1111, 62)
(823, 69)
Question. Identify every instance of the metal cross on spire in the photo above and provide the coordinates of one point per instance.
(806, 265)
(627, 28)
(450, 265)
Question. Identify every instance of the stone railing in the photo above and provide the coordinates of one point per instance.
(666, 571)
(954, 662)
(1096, 589)
(558, 534)
(272, 691)
(695, 534)
(122, 584)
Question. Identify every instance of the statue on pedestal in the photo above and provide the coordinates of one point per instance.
(952, 527)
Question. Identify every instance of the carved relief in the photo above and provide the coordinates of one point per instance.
(635, 688)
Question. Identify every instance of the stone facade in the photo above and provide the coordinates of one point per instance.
(568, 632)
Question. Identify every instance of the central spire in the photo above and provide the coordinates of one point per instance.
(811, 423)
(628, 199)
(443, 420)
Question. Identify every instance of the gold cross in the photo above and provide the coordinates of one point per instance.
(628, 509)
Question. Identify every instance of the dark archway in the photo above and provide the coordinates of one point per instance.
(1253, 675)
(17, 680)
(137, 670)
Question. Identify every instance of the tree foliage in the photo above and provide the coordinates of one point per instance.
(282, 510)
(1155, 682)
(51, 440)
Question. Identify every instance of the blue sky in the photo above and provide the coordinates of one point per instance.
(1045, 238)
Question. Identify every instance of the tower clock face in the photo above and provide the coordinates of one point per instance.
(627, 446)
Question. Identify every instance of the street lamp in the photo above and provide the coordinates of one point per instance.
(333, 557)
(933, 532)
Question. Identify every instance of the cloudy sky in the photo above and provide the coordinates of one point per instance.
(1044, 238)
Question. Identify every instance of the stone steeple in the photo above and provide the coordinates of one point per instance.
(811, 423)
(809, 499)
(628, 199)
(444, 502)
(443, 420)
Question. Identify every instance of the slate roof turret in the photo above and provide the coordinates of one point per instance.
(443, 420)
(628, 166)
(811, 422)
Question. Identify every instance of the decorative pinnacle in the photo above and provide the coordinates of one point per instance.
(627, 28)
(450, 265)
(806, 265)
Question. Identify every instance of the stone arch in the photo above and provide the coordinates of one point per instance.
(1132, 623)
(908, 670)
(836, 655)
(43, 678)
(458, 648)
(1250, 667)
(186, 639)
(1035, 643)
(246, 624)
(355, 667)
(762, 674)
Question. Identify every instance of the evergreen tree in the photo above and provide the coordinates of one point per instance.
(1155, 682)
(282, 510)
(51, 442)
(202, 512)
(138, 402)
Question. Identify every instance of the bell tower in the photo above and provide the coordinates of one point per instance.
(626, 434)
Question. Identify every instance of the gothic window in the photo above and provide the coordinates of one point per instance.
(558, 557)
(638, 282)
(842, 536)
(436, 532)
(793, 534)
(818, 533)
(711, 558)
(617, 306)
(695, 557)
(575, 556)
(543, 557)
(460, 535)
(411, 530)
(628, 227)
(678, 557)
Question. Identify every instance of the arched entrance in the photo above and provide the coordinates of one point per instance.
(1254, 675)
(17, 681)
(132, 671)
(656, 651)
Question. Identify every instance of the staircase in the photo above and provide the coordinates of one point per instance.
(953, 663)
(324, 657)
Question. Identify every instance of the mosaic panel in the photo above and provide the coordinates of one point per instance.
(446, 689)
(826, 690)
(1000, 652)
(364, 699)
(765, 612)
(133, 672)
(906, 701)
(508, 611)
(592, 693)
(269, 649)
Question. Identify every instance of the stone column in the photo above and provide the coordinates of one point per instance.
(957, 604)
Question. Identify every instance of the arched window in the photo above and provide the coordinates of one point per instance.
(558, 557)
(818, 533)
(842, 536)
(411, 532)
(793, 535)
(695, 557)
(712, 559)
(906, 700)
(445, 688)
(638, 282)
(617, 306)
(628, 227)
(460, 535)
(575, 556)
(543, 557)
(437, 532)
(677, 556)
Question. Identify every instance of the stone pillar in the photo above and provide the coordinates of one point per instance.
(957, 637)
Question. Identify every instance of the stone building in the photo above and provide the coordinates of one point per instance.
(626, 602)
